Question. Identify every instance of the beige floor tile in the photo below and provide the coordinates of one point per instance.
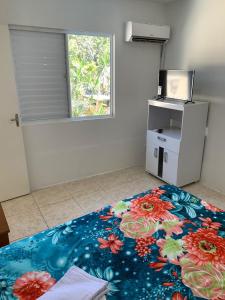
(51, 195)
(25, 225)
(108, 180)
(90, 199)
(118, 193)
(95, 207)
(137, 173)
(195, 187)
(206, 194)
(199, 189)
(89, 184)
(57, 213)
(114, 179)
(148, 182)
(220, 203)
(130, 189)
(20, 206)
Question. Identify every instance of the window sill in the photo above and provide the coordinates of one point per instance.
(66, 120)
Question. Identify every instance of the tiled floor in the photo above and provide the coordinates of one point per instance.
(49, 207)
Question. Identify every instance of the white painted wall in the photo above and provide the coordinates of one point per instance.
(61, 152)
(198, 28)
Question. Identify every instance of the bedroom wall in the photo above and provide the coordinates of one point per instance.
(60, 152)
(198, 28)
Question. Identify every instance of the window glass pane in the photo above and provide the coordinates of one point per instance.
(89, 69)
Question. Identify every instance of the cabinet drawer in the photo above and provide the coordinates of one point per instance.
(164, 141)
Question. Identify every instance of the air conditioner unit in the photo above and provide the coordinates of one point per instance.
(137, 32)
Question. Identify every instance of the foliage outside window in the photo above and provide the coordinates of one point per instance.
(89, 59)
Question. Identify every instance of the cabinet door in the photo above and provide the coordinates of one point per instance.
(170, 166)
(152, 154)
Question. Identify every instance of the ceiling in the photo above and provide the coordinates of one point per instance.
(163, 1)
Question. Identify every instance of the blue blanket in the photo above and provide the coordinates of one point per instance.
(161, 244)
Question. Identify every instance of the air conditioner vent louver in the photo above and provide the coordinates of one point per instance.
(136, 32)
(147, 40)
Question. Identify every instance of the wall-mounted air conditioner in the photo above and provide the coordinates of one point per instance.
(137, 32)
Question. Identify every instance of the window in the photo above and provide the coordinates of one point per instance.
(62, 75)
(89, 72)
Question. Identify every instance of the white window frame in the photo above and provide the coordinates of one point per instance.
(112, 73)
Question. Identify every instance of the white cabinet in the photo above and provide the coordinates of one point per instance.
(152, 157)
(170, 166)
(175, 140)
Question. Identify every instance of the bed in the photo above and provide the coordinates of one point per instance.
(161, 244)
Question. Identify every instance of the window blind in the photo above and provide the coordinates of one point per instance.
(40, 67)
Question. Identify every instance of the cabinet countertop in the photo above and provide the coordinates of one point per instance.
(174, 104)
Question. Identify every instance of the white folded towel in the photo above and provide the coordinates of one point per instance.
(76, 284)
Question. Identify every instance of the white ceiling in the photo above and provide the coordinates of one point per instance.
(163, 1)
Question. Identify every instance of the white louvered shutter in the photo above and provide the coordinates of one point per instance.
(40, 67)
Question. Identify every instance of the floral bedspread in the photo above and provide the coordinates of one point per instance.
(161, 244)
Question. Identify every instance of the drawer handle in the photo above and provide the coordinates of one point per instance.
(165, 157)
(161, 139)
(156, 152)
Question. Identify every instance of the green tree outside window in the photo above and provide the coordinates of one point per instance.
(89, 69)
